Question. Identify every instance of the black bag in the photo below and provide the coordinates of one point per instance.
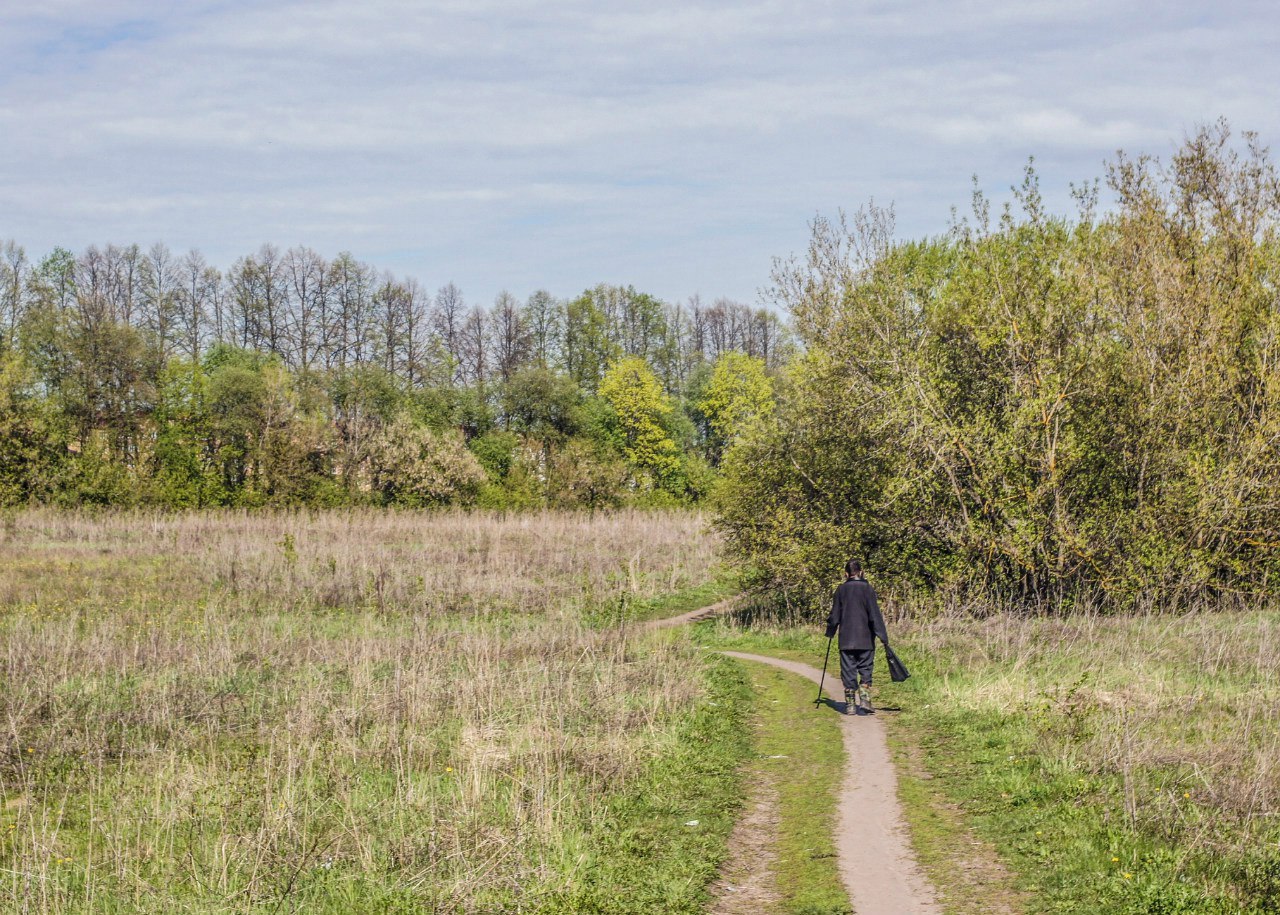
(897, 670)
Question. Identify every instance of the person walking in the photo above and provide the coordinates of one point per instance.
(856, 615)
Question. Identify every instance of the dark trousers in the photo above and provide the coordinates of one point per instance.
(855, 665)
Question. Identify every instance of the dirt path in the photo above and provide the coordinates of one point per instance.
(877, 866)
(746, 884)
(876, 863)
(693, 616)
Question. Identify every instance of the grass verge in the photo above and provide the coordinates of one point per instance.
(968, 875)
(626, 608)
(662, 841)
(801, 754)
(1118, 765)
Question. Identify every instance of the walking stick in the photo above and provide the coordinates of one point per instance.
(823, 678)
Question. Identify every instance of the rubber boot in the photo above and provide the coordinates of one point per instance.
(850, 701)
(864, 700)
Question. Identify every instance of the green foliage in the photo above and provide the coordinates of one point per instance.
(737, 395)
(496, 452)
(640, 409)
(274, 382)
(512, 472)
(543, 404)
(186, 474)
(583, 474)
(31, 448)
(589, 348)
(1103, 801)
(1059, 413)
(799, 748)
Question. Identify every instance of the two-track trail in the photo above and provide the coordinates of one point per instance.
(876, 863)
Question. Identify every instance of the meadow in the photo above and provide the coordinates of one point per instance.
(452, 712)
(356, 711)
(1126, 764)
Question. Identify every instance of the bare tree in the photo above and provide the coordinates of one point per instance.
(159, 281)
(415, 332)
(390, 303)
(351, 284)
(308, 305)
(510, 335)
(274, 292)
(447, 318)
(544, 316)
(474, 346)
(91, 283)
(245, 323)
(14, 272)
(195, 300)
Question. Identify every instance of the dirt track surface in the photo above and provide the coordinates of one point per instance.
(693, 616)
(876, 863)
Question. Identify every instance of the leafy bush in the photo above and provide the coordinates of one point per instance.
(1055, 412)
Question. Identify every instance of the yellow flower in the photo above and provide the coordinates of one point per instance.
(1186, 794)
(1128, 876)
(1115, 860)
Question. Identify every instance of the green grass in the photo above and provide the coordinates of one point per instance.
(969, 877)
(628, 609)
(1116, 765)
(1082, 761)
(801, 753)
(643, 856)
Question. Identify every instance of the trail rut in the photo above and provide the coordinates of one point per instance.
(876, 864)
(877, 867)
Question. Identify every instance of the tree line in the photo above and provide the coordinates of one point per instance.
(1034, 410)
(131, 375)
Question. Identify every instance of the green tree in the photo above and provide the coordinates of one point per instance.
(738, 394)
(32, 446)
(543, 404)
(582, 474)
(186, 471)
(640, 409)
(1037, 411)
(588, 346)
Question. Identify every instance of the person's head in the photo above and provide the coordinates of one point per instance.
(853, 568)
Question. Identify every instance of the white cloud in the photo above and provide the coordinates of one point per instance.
(517, 143)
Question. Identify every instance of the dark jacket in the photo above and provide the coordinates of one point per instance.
(856, 614)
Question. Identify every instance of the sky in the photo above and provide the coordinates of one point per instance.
(552, 144)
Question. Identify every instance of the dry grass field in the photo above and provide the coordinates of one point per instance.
(328, 712)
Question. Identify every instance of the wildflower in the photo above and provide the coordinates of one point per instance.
(1115, 860)
(1186, 794)
(1128, 876)
(448, 768)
